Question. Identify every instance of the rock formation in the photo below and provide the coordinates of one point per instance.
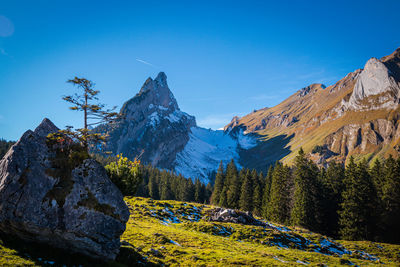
(152, 123)
(153, 126)
(232, 216)
(69, 202)
(375, 80)
(358, 115)
(346, 118)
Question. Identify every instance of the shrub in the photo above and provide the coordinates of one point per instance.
(125, 174)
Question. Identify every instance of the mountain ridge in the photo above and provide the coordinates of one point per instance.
(154, 127)
(356, 116)
(366, 100)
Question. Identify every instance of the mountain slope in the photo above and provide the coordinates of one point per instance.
(168, 138)
(357, 116)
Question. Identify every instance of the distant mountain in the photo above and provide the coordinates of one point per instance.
(358, 115)
(169, 138)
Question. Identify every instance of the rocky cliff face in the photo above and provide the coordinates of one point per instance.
(168, 138)
(48, 199)
(153, 125)
(376, 88)
(358, 115)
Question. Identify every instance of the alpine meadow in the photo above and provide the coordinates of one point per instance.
(273, 141)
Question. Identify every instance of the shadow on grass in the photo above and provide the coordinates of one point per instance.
(45, 255)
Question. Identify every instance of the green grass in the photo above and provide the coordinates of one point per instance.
(175, 233)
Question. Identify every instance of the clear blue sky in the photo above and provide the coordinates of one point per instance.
(222, 58)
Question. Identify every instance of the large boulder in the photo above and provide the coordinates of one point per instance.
(232, 216)
(66, 202)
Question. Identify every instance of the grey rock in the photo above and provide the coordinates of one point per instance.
(81, 211)
(375, 80)
(155, 128)
(232, 216)
(361, 138)
(310, 89)
(153, 125)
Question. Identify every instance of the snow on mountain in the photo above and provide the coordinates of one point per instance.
(168, 138)
(245, 141)
(206, 148)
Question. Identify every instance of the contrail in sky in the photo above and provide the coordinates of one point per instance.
(145, 62)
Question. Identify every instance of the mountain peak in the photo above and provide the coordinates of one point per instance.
(155, 92)
(311, 88)
(46, 127)
(375, 79)
(161, 79)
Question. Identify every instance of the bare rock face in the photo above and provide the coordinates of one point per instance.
(153, 125)
(375, 80)
(76, 208)
(360, 138)
(310, 89)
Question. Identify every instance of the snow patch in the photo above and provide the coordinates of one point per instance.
(246, 141)
(302, 262)
(154, 119)
(175, 243)
(176, 116)
(162, 108)
(204, 151)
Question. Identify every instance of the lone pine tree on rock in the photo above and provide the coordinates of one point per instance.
(93, 114)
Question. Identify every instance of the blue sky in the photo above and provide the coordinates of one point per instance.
(222, 58)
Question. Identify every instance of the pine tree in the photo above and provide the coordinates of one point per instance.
(305, 191)
(278, 208)
(355, 219)
(153, 186)
(246, 196)
(219, 185)
(199, 191)
(390, 199)
(267, 191)
(233, 186)
(164, 189)
(189, 190)
(258, 195)
(377, 173)
(223, 200)
(93, 114)
(330, 197)
(209, 190)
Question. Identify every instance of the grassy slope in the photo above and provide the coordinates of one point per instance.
(316, 107)
(173, 233)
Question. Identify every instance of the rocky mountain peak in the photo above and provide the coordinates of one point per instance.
(45, 127)
(153, 94)
(153, 125)
(310, 89)
(234, 122)
(161, 79)
(375, 79)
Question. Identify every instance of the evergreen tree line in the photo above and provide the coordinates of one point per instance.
(5, 146)
(166, 185)
(356, 202)
(157, 184)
